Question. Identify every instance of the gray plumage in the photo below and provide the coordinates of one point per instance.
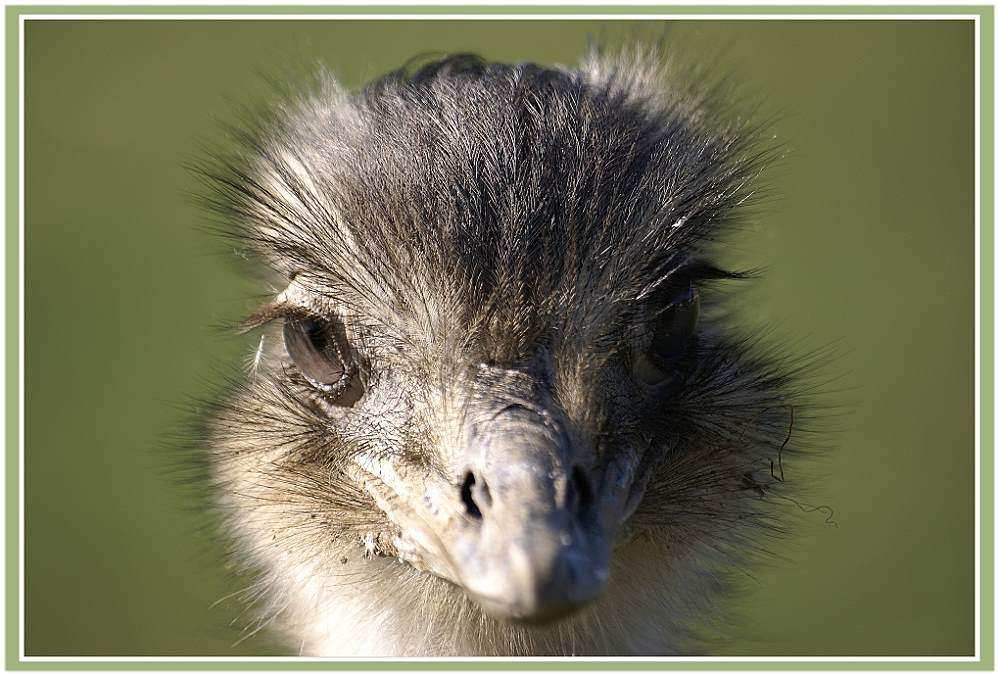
(490, 386)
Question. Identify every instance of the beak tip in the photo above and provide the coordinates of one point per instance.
(523, 587)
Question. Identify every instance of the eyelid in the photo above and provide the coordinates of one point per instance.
(268, 312)
(701, 271)
(696, 271)
(296, 299)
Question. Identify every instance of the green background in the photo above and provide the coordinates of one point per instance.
(870, 245)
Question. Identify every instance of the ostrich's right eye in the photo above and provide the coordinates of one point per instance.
(313, 346)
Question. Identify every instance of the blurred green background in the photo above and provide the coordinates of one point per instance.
(871, 244)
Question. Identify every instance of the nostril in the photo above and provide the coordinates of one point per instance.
(580, 491)
(473, 494)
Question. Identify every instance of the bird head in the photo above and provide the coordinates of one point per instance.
(493, 351)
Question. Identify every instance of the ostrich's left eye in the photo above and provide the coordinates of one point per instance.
(668, 335)
(312, 344)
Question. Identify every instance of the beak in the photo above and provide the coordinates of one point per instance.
(533, 546)
(525, 525)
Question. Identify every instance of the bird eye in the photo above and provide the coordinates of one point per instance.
(312, 345)
(668, 335)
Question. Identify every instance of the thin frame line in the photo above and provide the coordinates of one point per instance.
(976, 18)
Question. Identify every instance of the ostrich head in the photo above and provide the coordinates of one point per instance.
(495, 408)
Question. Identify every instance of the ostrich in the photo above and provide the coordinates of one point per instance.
(497, 406)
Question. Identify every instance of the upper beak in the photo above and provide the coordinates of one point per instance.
(534, 546)
(525, 524)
